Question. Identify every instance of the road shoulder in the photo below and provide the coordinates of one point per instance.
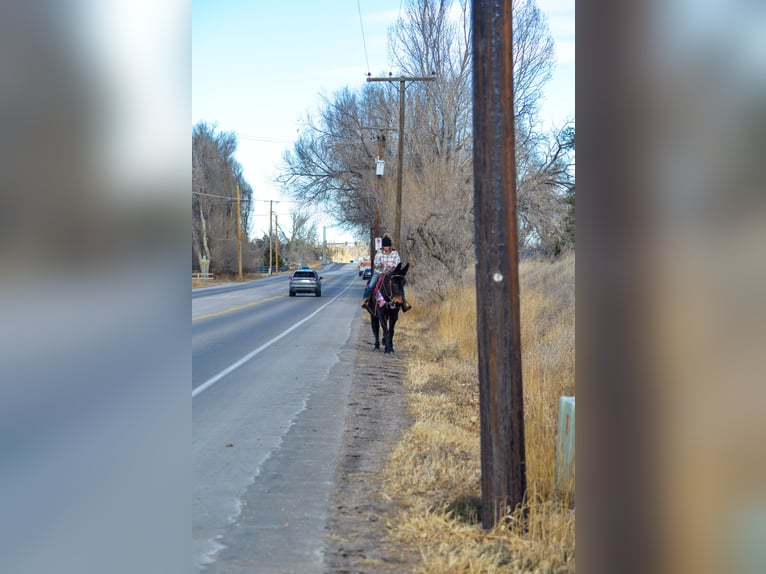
(358, 516)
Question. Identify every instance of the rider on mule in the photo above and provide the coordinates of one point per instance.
(385, 259)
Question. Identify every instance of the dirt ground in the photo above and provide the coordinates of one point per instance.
(355, 535)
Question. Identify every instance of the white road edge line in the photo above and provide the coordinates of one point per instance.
(213, 380)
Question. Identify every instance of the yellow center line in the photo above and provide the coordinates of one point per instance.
(233, 309)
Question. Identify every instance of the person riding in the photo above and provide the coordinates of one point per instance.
(386, 258)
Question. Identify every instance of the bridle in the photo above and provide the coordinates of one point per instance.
(389, 296)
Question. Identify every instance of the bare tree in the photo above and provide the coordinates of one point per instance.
(215, 178)
(532, 63)
(333, 161)
(433, 38)
(300, 238)
(546, 196)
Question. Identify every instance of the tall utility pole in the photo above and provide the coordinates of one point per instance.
(276, 237)
(324, 245)
(400, 151)
(378, 182)
(324, 241)
(379, 169)
(270, 206)
(239, 237)
(501, 401)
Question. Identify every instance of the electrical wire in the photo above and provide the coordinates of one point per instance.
(220, 197)
(222, 238)
(364, 41)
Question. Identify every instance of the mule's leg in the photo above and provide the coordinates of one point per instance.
(390, 340)
(375, 324)
(384, 328)
(390, 332)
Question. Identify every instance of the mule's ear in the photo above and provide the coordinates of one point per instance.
(405, 268)
(398, 267)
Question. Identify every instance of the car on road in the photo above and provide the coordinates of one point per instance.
(364, 263)
(367, 273)
(305, 280)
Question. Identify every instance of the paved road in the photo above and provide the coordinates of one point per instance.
(271, 378)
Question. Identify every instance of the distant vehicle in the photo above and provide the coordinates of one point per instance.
(364, 263)
(305, 280)
(367, 273)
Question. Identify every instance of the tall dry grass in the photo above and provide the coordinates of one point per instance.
(433, 475)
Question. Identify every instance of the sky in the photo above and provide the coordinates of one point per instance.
(260, 66)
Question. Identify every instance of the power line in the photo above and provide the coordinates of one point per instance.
(227, 198)
(221, 238)
(364, 42)
(276, 201)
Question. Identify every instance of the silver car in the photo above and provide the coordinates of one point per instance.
(305, 280)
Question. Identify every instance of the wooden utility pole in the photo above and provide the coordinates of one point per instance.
(400, 173)
(379, 169)
(400, 150)
(324, 245)
(276, 237)
(378, 184)
(270, 206)
(239, 237)
(501, 401)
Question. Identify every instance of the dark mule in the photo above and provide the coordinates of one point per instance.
(391, 287)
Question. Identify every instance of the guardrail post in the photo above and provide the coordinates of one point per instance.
(565, 442)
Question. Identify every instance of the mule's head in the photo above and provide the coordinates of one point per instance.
(398, 280)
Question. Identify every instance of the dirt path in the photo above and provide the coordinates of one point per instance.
(355, 535)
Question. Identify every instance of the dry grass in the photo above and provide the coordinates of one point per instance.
(433, 475)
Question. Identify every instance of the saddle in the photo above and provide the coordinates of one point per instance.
(377, 295)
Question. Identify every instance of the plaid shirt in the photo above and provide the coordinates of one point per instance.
(386, 261)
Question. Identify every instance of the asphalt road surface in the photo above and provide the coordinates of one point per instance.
(270, 385)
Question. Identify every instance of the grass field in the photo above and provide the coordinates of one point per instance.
(433, 475)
